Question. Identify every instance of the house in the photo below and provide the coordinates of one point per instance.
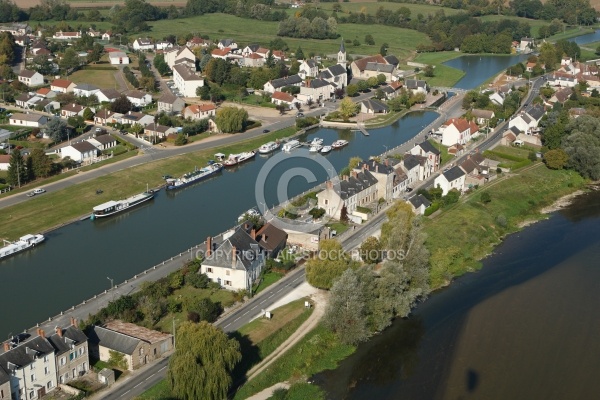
(316, 90)
(39, 48)
(71, 110)
(85, 89)
(283, 98)
(138, 98)
(132, 118)
(163, 45)
(71, 352)
(526, 44)
(95, 34)
(280, 83)
(103, 142)
(359, 189)
(143, 44)
(562, 80)
(103, 117)
(391, 181)
(454, 178)
(186, 81)
(561, 96)
(458, 130)
(60, 35)
(374, 69)
(416, 86)
(308, 69)
(170, 104)
(46, 93)
(137, 344)
(220, 53)
(271, 239)
(391, 91)
(253, 60)
(30, 368)
(118, 58)
(200, 111)
(4, 164)
(106, 36)
(62, 86)
(30, 120)
(411, 165)
(197, 42)
(528, 119)
(16, 29)
(181, 55)
(373, 106)
(419, 203)
(497, 98)
(22, 40)
(107, 95)
(456, 150)
(158, 131)
(279, 55)
(23, 100)
(358, 66)
(482, 116)
(336, 75)
(476, 172)
(430, 153)
(227, 43)
(251, 48)
(31, 78)
(237, 262)
(80, 152)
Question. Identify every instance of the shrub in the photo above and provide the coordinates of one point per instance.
(431, 209)
(485, 197)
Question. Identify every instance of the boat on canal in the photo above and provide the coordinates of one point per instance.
(116, 206)
(315, 148)
(291, 145)
(24, 243)
(339, 144)
(195, 176)
(235, 159)
(268, 147)
(326, 149)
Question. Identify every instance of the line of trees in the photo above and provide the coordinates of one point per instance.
(22, 170)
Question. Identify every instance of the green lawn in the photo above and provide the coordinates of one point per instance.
(160, 391)
(445, 157)
(339, 227)
(267, 280)
(372, 7)
(444, 75)
(103, 78)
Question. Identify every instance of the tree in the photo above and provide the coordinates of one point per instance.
(582, 145)
(363, 86)
(369, 40)
(17, 171)
(556, 159)
(70, 60)
(348, 108)
(201, 365)
(429, 71)
(88, 114)
(346, 312)
(372, 81)
(57, 130)
(231, 119)
(352, 90)
(485, 197)
(41, 163)
(180, 140)
(204, 307)
(299, 54)
(121, 105)
(384, 48)
(96, 53)
(370, 250)
(329, 263)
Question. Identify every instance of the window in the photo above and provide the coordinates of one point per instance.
(31, 394)
(326, 202)
(141, 351)
(46, 370)
(32, 377)
(81, 349)
(227, 283)
(209, 270)
(32, 367)
(49, 385)
(46, 359)
(62, 361)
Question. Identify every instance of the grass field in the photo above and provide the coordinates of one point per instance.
(443, 75)
(56, 208)
(372, 7)
(267, 280)
(478, 227)
(103, 78)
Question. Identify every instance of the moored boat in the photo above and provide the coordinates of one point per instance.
(268, 147)
(326, 149)
(235, 159)
(291, 145)
(253, 212)
(339, 143)
(194, 176)
(116, 206)
(23, 243)
(315, 148)
(316, 141)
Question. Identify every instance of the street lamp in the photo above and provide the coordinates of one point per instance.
(111, 286)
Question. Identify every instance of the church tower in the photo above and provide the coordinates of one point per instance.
(341, 57)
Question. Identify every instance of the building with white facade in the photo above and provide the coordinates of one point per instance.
(186, 81)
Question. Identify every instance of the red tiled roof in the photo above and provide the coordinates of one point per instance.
(218, 52)
(63, 83)
(197, 108)
(396, 85)
(255, 56)
(460, 123)
(362, 63)
(43, 91)
(283, 96)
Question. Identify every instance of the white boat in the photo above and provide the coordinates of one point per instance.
(316, 141)
(253, 212)
(23, 243)
(112, 207)
(194, 176)
(315, 148)
(326, 149)
(291, 145)
(268, 147)
(339, 143)
(235, 159)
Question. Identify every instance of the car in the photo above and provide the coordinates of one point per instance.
(3, 146)
(299, 115)
(98, 130)
(408, 189)
(2, 109)
(266, 131)
(39, 191)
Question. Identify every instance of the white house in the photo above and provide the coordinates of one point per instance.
(497, 98)
(280, 83)
(526, 44)
(458, 130)
(285, 99)
(308, 69)
(170, 104)
(373, 106)
(317, 90)
(143, 44)
(31, 78)
(482, 116)
(416, 86)
(359, 189)
(186, 81)
(107, 95)
(132, 118)
(85, 89)
(71, 110)
(529, 119)
(220, 53)
(454, 178)
(158, 131)
(430, 153)
(391, 180)
(118, 58)
(163, 45)
(104, 117)
(336, 75)
(183, 54)
(230, 43)
(30, 120)
(4, 162)
(237, 262)
(80, 152)
(359, 66)
(106, 36)
(251, 48)
(253, 60)
(138, 98)
(199, 111)
(60, 35)
(62, 86)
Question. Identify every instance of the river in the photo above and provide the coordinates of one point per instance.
(524, 327)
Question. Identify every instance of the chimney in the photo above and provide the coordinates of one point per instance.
(355, 174)
(377, 168)
(387, 162)
(329, 185)
(208, 246)
(42, 333)
(59, 331)
(253, 234)
(233, 256)
(73, 321)
(365, 166)
(6, 346)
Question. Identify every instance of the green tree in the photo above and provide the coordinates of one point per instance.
(582, 145)
(180, 140)
(88, 114)
(121, 105)
(363, 86)
(352, 90)
(57, 130)
(485, 197)
(348, 108)
(429, 71)
(96, 53)
(204, 307)
(354, 163)
(17, 170)
(231, 119)
(370, 250)
(70, 60)
(384, 48)
(372, 81)
(369, 40)
(299, 54)
(202, 363)
(381, 79)
(41, 163)
(329, 263)
(556, 159)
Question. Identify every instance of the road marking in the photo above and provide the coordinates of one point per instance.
(236, 319)
(224, 327)
(137, 385)
(126, 392)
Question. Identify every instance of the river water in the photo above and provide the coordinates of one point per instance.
(524, 327)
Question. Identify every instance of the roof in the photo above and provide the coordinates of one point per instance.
(221, 52)
(375, 105)
(86, 86)
(71, 335)
(144, 42)
(283, 96)
(83, 147)
(197, 108)
(139, 332)
(325, 74)
(287, 81)
(536, 111)
(454, 173)
(316, 83)
(255, 56)
(226, 42)
(136, 94)
(28, 73)
(337, 70)
(43, 91)
(158, 128)
(105, 139)
(186, 73)
(25, 354)
(487, 114)
(24, 97)
(428, 147)
(243, 244)
(117, 54)
(253, 46)
(27, 117)
(110, 93)
(342, 47)
(269, 237)
(356, 183)
(460, 123)
(391, 59)
(410, 161)
(415, 83)
(62, 83)
(73, 108)
(113, 340)
(4, 158)
(374, 166)
(104, 113)
(168, 98)
(311, 63)
(419, 200)
(361, 64)
(379, 67)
